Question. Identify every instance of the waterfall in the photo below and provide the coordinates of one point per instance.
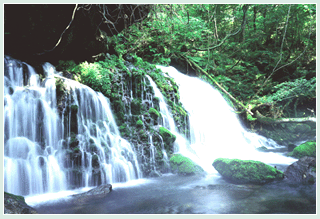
(215, 130)
(52, 145)
(167, 121)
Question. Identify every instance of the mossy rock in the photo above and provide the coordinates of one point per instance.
(95, 161)
(154, 113)
(14, 204)
(167, 136)
(184, 166)
(246, 171)
(139, 123)
(305, 149)
(136, 107)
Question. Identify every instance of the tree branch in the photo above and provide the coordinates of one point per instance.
(72, 18)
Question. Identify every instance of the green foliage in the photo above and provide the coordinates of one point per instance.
(250, 118)
(305, 149)
(246, 171)
(184, 166)
(68, 65)
(96, 76)
(299, 88)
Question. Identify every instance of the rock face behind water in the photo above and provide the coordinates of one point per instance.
(246, 171)
(303, 171)
(16, 205)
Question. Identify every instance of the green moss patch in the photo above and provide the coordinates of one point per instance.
(167, 136)
(305, 149)
(154, 113)
(184, 166)
(139, 123)
(246, 171)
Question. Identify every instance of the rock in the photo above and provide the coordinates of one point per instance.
(306, 149)
(14, 204)
(291, 147)
(98, 192)
(246, 171)
(303, 171)
(184, 166)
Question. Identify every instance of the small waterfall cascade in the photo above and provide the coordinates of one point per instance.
(167, 120)
(215, 130)
(32, 130)
(59, 134)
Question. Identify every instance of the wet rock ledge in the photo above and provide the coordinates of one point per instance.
(98, 192)
(14, 204)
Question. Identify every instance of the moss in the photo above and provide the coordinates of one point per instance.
(184, 166)
(74, 109)
(167, 136)
(246, 171)
(136, 106)
(305, 149)
(139, 123)
(143, 135)
(16, 197)
(262, 148)
(60, 87)
(95, 161)
(124, 130)
(154, 113)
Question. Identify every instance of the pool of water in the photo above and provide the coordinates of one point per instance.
(173, 194)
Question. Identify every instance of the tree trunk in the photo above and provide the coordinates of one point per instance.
(267, 120)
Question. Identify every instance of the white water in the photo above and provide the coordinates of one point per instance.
(36, 136)
(215, 129)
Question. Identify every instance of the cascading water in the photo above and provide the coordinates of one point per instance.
(31, 133)
(49, 149)
(215, 130)
(167, 120)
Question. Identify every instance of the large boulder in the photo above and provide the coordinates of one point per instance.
(184, 166)
(303, 171)
(14, 204)
(306, 149)
(246, 171)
